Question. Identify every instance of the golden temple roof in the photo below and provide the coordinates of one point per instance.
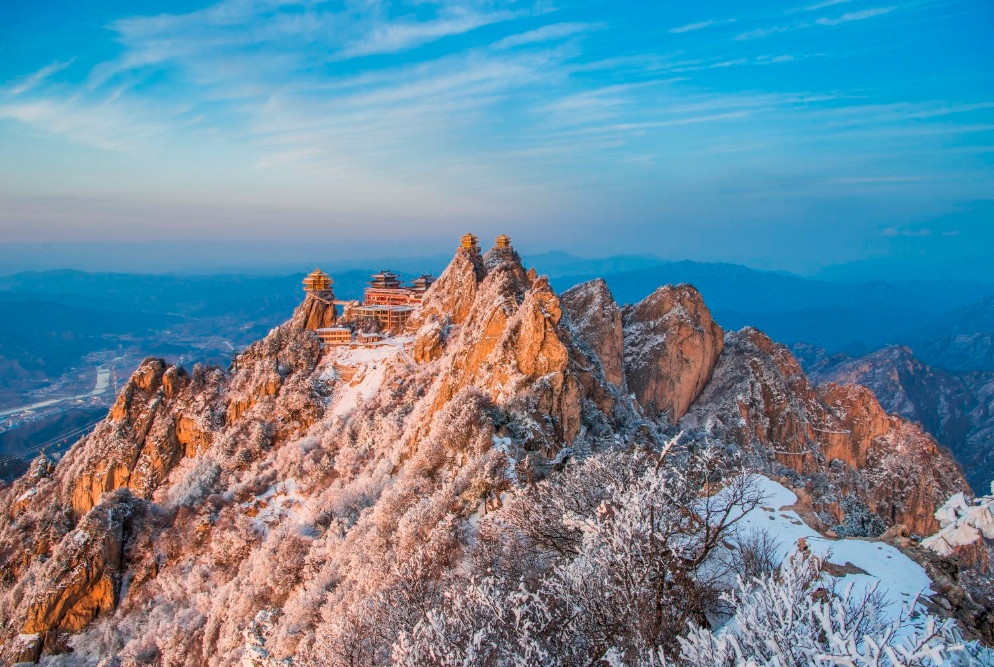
(317, 281)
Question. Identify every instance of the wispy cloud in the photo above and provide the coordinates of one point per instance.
(698, 26)
(882, 179)
(546, 34)
(111, 128)
(894, 232)
(861, 15)
(690, 120)
(730, 149)
(786, 58)
(817, 6)
(322, 94)
(394, 37)
(766, 32)
(32, 80)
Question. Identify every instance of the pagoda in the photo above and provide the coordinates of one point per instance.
(384, 280)
(318, 309)
(319, 284)
(502, 247)
(469, 243)
(421, 284)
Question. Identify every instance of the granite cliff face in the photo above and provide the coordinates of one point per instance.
(671, 348)
(69, 527)
(743, 387)
(956, 408)
(840, 436)
(598, 323)
(285, 505)
(316, 312)
(502, 335)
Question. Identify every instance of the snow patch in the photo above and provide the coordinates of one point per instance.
(896, 576)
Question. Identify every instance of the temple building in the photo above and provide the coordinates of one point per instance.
(318, 309)
(370, 338)
(386, 299)
(386, 289)
(421, 284)
(334, 335)
(390, 317)
(320, 283)
(502, 247)
(468, 243)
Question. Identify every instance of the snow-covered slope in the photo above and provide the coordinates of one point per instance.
(863, 564)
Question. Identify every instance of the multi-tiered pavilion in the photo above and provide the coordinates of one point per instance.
(386, 299)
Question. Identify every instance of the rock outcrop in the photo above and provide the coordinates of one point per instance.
(316, 312)
(155, 422)
(450, 298)
(671, 348)
(761, 398)
(955, 408)
(83, 580)
(71, 517)
(596, 319)
(505, 337)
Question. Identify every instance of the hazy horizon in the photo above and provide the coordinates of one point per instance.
(207, 258)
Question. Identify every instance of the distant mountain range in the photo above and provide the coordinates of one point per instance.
(51, 319)
(970, 268)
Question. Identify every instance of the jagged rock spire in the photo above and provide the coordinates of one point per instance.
(318, 309)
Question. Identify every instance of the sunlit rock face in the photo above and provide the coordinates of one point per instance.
(314, 313)
(760, 397)
(671, 349)
(956, 408)
(596, 319)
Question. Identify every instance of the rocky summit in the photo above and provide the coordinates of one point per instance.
(309, 504)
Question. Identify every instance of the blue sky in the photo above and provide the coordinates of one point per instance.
(778, 134)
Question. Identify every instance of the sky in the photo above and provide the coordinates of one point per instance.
(778, 134)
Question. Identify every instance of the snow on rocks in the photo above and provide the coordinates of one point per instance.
(862, 564)
(280, 501)
(358, 373)
(962, 523)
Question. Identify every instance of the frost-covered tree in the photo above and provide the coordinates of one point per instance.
(962, 522)
(604, 562)
(795, 618)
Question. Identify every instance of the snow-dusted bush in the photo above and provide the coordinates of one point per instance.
(757, 554)
(606, 561)
(794, 618)
(201, 479)
(962, 523)
(858, 519)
